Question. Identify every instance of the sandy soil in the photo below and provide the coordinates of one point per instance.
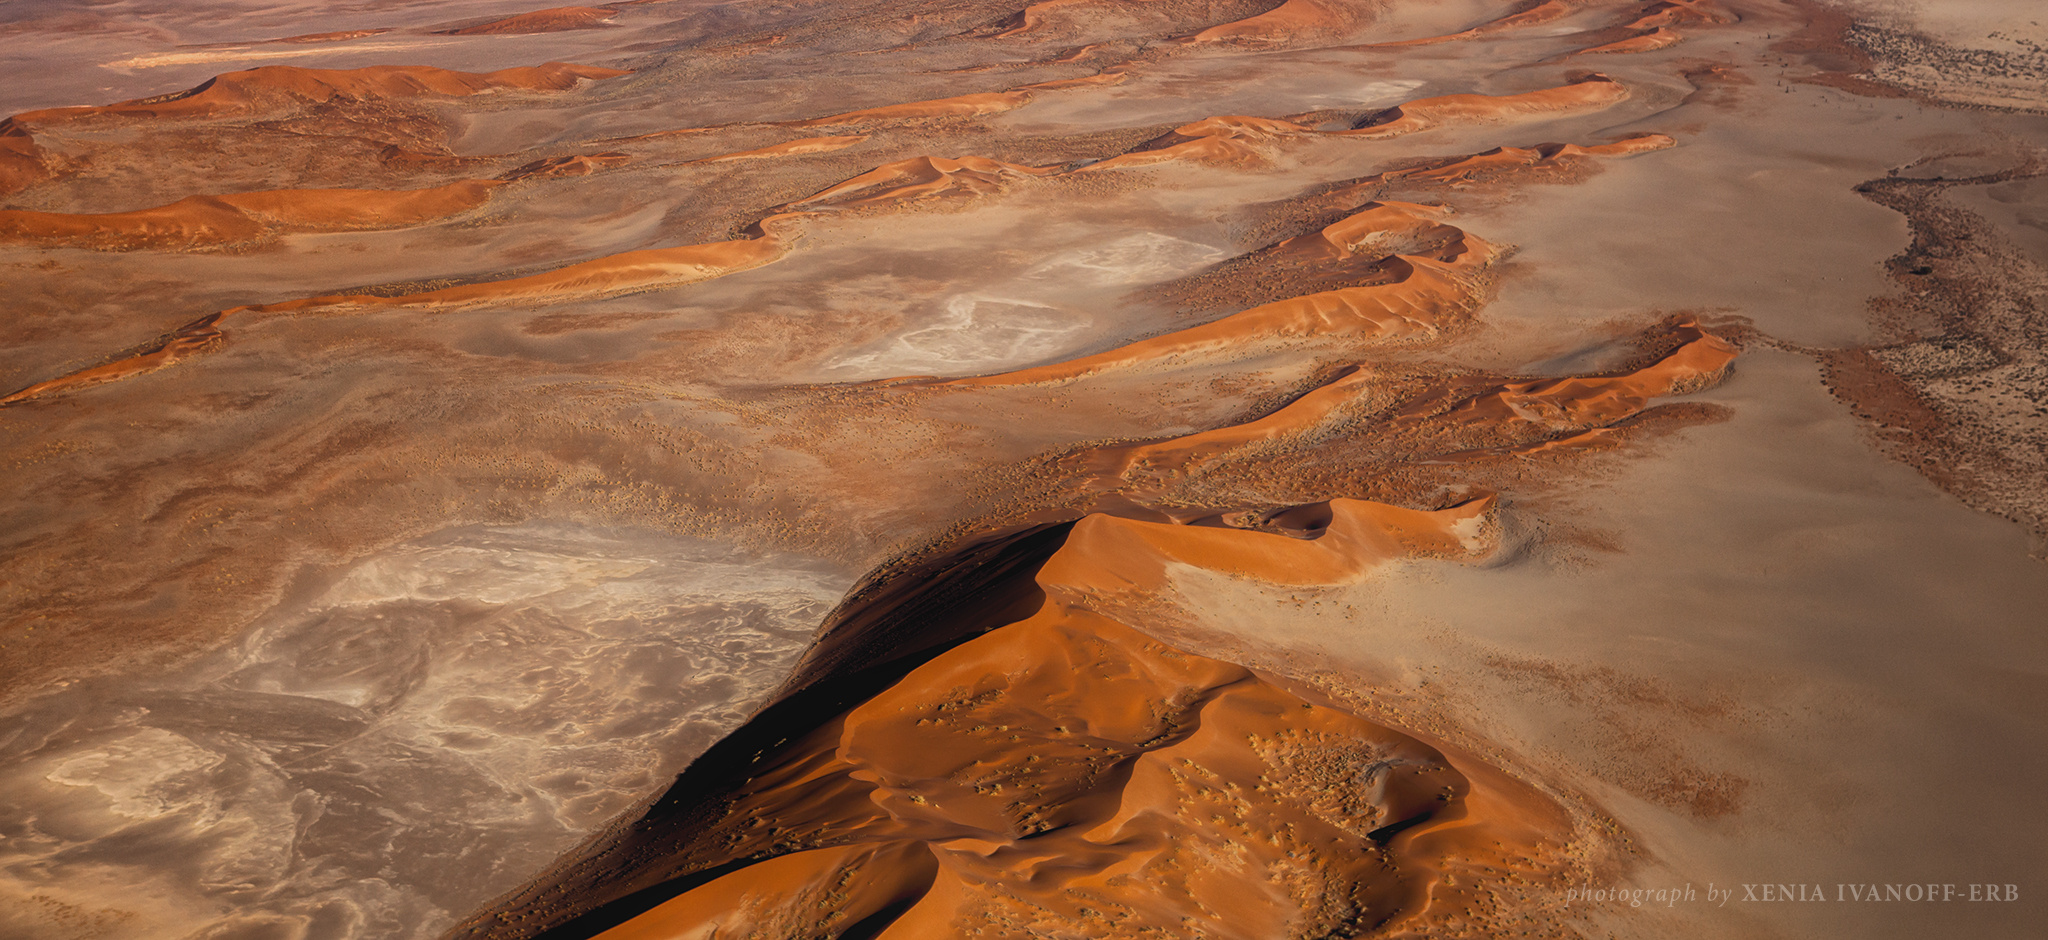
(1307, 468)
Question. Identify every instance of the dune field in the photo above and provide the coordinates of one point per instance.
(1242, 469)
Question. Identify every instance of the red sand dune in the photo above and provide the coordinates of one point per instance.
(1501, 159)
(553, 20)
(1372, 233)
(22, 162)
(1033, 17)
(1290, 21)
(1182, 454)
(582, 164)
(1086, 81)
(920, 178)
(1581, 406)
(278, 86)
(1545, 12)
(191, 338)
(1229, 140)
(1066, 773)
(1428, 294)
(1591, 93)
(790, 148)
(1674, 12)
(1586, 401)
(1237, 140)
(1659, 38)
(241, 219)
(623, 273)
(960, 106)
(341, 36)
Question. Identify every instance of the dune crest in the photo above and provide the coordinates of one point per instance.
(244, 219)
(1592, 93)
(552, 20)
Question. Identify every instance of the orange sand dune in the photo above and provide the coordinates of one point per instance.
(1545, 12)
(1591, 93)
(1428, 294)
(273, 87)
(1370, 233)
(1230, 140)
(23, 163)
(1290, 21)
(1673, 12)
(581, 164)
(1236, 140)
(539, 21)
(240, 219)
(341, 36)
(1066, 775)
(1500, 159)
(1582, 406)
(1585, 401)
(612, 275)
(191, 338)
(1086, 81)
(1182, 454)
(1032, 17)
(790, 148)
(921, 178)
(624, 273)
(961, 106)
(1659, 38)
